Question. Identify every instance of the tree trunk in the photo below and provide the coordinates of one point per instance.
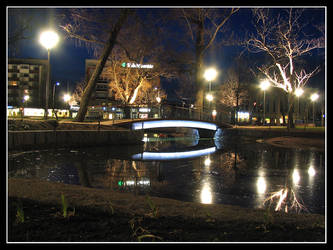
(290, 111)
(99, 67)
(199, 49)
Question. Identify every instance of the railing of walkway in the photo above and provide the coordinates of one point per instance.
(176, 112)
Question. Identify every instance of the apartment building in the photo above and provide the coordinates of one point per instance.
(26, 77)
(101, 94)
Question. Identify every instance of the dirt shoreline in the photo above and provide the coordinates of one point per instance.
(100, 215)
(297, 142)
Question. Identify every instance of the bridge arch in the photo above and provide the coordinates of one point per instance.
(206, 129)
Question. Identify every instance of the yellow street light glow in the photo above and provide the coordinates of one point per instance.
(299, 92)
(49, 39)
(314, 97)
(209, 97)
(158, 99)
(264, 85)
(67, 97)
(210, 74)
(214, 112)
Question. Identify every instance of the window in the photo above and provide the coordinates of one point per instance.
(12, 83)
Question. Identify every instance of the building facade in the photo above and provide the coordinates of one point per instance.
(26, 77)
(100, 95)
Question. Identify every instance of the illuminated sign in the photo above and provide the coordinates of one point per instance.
(243, 115)
(137, 65)
(144, 110)
(33, 112)
(160, 156)
(173, 124)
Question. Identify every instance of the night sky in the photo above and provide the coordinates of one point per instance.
(68, 60)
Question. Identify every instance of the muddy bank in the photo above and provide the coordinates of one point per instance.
(108, 216)
(316, 144)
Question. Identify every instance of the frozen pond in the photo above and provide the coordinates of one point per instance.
(235, 171)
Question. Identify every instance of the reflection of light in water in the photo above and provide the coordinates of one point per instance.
(311, 171)
(296, 177)
(261, 185)
(173, 155)
(130, 183)
(286, 200)
(206, 194)
(207, 162)
(143, 181)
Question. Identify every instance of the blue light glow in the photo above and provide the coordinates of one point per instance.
(160, 156)
(173, 124)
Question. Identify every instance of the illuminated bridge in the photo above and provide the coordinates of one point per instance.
(206, 129)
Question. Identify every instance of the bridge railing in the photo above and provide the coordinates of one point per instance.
(176, 112)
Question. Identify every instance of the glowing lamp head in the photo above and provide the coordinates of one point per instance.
(210, 74)
(209, 97)
(264, 85)
(158, 99)
(49, 39)
(299, 92)
(67, 97)
(314, 97)
(26, 98)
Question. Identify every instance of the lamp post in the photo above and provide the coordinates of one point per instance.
(264, 85)
(298, 93)
(53, 93)
(313, 97)
(67, 98)
(210, 74)
(25, 99)
(48, 39)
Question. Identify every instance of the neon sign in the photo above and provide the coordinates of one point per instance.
(137, 65)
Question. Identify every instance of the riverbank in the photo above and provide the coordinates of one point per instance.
(98, 215)
(35, 214)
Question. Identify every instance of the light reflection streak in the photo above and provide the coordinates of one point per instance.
(296, 177)
(207, 162)
(311, 171)
(206, 194)
(160, 156)
(261, 185)
(286, 200)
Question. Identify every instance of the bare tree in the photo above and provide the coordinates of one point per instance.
(203, 27)
(283, 39)
(140, 62)
(20, 23)
(92, 26)
(234, 91)
(78, 92)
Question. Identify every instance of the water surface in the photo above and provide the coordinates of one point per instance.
(233, 170)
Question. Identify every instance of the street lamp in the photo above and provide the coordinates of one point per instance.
(264, 85)
(67, 97)
(298, 93)
(210, 74)
(54, 85)
(25, 99)
(313, 97)
(48, 39)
